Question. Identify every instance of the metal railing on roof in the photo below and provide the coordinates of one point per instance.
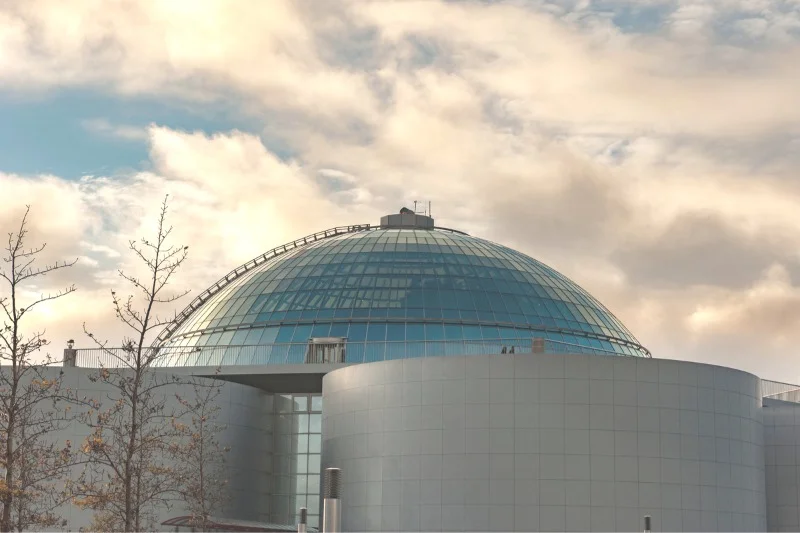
(352, 352)
(181, 317)
(186, 523)
(777, 390)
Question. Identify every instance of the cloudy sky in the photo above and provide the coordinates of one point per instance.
(647, 149)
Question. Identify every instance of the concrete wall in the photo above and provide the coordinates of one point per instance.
(247, 413)
(545, 442)
(782, 453)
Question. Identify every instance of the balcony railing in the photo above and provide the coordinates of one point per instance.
(780, 391)
(346, 352)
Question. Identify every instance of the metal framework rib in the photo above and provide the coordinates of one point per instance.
(181, 317)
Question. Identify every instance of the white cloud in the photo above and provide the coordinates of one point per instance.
(102, 126)
(196, 50)
(549, 130)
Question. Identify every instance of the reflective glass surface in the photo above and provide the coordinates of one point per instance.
(296, 458)
(394, 291)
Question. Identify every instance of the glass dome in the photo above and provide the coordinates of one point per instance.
(389, 293)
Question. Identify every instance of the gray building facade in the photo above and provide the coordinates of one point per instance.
(782, 459)
(544, 442)
(462, 385)
(248, 415)
(504, 442)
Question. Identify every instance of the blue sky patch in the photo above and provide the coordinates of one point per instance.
(53, 133)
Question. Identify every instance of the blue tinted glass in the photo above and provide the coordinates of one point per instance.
(321, 330)
(285, 334)
(302, 333)
(339, 330)
(376, 332)
(269, 336)
(358, 332)
(453, 332)
(415, 332)
(362, 286)
(508, 333)
(395, 332)
(472, 332)
(434, 332)
(490, 332)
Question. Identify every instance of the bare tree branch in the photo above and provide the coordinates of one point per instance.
(31, 463)
(128, 472)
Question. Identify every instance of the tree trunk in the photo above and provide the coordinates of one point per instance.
(8, 496)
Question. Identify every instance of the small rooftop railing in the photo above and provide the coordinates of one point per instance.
(777, 390)
(338, 352)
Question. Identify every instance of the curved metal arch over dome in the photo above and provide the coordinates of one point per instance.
(402, 289)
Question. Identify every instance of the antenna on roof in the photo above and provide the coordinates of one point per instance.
(421, 209)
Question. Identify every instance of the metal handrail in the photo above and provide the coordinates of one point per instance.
(512, 325)
(181, 317)
(780, 391)
(354, 352)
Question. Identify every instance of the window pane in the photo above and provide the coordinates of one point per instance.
(283, 403)
(315, 424)
(285, 334)
(300, 443)
(314, 464)
(376, 332)
(358, 332)
(415, 332)
(434, 332)
(313, 488)
(316, 403)
(313, 498)
(453, 332)
(302, 485)
(301, 403)
(302, 424)
(396, 332)
(302, 333)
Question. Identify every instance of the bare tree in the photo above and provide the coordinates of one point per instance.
(128, 474)
(32, 464)
(199, 456)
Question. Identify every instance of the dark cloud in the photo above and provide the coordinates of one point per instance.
(579, 213)
(702, 248)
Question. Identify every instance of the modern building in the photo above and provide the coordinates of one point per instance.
(462, 385)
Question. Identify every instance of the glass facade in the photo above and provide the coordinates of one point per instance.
(296, 458)
(398, 293)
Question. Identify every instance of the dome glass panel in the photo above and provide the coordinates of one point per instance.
(396, 293)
